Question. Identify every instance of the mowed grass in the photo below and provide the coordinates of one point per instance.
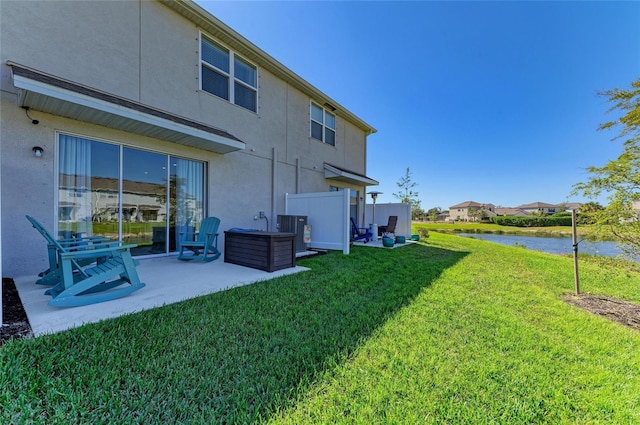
(454, 330)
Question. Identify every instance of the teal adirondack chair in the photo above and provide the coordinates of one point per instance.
(205, 247)
(55, 247)
(89, 273)
(98, 283)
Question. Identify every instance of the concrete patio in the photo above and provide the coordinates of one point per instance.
(167, 280)
(378, 244)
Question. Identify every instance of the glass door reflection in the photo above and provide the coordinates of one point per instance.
(88, 188)
(186, 200)
(155, 202)
(144, 201)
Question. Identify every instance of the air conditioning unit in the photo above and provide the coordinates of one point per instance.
(294, 224)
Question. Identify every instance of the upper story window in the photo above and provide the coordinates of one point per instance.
(227, 75)
(323, 124)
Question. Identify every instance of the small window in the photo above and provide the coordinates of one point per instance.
(215, 83)
(245, 97)
(323, 125)
(215, 55)
(245, 72)
(218, 64)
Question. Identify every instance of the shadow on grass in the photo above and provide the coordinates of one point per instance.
(236, 356)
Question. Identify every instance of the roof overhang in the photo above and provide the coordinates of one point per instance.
(346, 176)
(50, 94)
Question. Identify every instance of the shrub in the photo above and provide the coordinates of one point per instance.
(532, 221)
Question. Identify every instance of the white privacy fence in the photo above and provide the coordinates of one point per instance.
(382, 213)
(328, 215)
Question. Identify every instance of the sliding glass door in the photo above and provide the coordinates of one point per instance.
(144, 194)
(186, 195)
(147, 198)
(88, 188)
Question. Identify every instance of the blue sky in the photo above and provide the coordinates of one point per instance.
(485, 101)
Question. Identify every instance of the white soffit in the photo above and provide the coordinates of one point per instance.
(42, 92)
(346, 176)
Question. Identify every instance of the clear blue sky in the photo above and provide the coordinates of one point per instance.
(485, 101)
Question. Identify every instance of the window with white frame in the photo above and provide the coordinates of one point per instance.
(227, 75)
(323, 124)
(144, 197)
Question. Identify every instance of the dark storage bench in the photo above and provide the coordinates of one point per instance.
(269, 251)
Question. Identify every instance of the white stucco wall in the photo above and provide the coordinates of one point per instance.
(83, 41)
(146, 52)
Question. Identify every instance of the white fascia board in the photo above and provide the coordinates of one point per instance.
(28, 84)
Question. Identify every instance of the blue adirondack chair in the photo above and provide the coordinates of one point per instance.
(359, 233)
(55, 247)
(205, 247)
(91, 273)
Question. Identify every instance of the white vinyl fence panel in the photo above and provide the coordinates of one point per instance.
(328, 215)
(383, 211)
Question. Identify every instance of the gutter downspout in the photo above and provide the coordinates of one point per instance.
(274, 184)
(297, 175)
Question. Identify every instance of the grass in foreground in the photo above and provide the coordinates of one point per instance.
(457, 331)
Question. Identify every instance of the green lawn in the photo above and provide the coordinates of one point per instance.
(456, 330)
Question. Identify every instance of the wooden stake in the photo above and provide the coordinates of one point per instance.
(575, 251)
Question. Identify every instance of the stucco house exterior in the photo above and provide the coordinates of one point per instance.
(135, 119)
(539, 208)
(572, 206)
(511, 211)
(471, 211)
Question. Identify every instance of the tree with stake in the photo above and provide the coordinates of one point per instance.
(407, 195)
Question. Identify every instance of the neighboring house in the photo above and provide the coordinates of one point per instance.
(511, 211)
(539, 208)
(148, 116)
(443, 216)
(471, 211)
(572, 206)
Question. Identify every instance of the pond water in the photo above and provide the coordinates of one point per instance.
(553, 245)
